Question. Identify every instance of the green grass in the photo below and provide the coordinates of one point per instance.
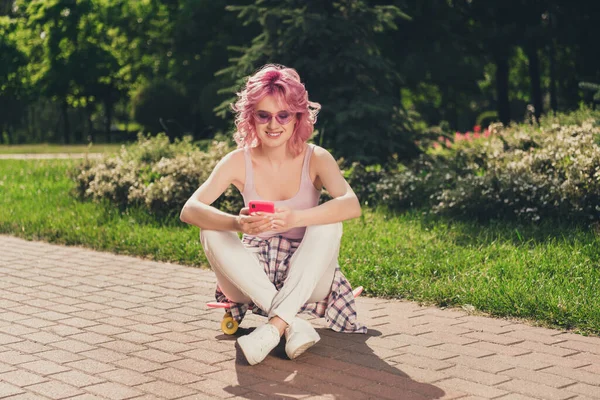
(58, 148)
(545, 273)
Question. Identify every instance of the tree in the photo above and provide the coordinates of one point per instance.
(70, 54)
(333, 46)
(440, 68)
(200, 50)
(491, 29)
(12, 63)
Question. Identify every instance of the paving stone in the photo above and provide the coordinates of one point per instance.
(156, 356)
(216, 389)
(6, 389)
(55, 390)
(167, 390)
(138, 364)
(90, 366)
(25, 396)
(44, 367)
(538, 377)
(542, 348)
(196, 367)
(113, 391)
(529, 388)
(585, 389)
(59, 356)
(580, 375)
(176, 376)
(103, 355)
(473, 375)
(29, 347)
(73, 345)
(472, 388)
(21, 378)
(581, 346)
(76, 378)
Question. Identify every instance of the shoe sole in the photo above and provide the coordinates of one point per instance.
(301, 349)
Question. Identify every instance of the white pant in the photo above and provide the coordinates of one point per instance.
(243, 280)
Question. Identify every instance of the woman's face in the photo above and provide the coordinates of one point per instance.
(274, 125)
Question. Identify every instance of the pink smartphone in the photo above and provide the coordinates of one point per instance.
(264, 206)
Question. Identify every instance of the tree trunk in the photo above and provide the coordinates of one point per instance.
(552, 59)
(6, 7)
(30, 132)
(2, 131)
(534, 76)
(90, 124)
(108, 109)
(503, 104)
(79, 134)
(66, 125)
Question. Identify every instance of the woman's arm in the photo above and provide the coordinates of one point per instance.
(343, 206)
(198, 211)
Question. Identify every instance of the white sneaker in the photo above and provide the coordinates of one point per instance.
(300, 336)
(259, 343)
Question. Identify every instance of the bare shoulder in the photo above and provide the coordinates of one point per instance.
(321, 153)
(323, 157)
(232, 159)
(233, 166)
(322, 165)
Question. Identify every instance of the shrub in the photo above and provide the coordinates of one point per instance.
(537, 172)
(524, 171)
(154, 174)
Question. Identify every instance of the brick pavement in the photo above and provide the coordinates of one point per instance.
(80, 324)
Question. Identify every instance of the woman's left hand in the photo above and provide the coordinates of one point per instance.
(283, 219)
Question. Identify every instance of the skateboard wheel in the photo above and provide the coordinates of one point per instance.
(229, 326)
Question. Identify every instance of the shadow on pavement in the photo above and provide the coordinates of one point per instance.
(340, 366)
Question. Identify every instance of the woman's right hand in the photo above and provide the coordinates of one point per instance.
(253, 224)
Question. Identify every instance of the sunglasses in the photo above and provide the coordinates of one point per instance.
(283, 117)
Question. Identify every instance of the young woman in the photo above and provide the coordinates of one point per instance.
(286, 262)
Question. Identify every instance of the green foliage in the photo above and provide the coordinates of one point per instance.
(12, 65)
(592, 87)
(71, 58)
(577, 117)
(334, 48)
(154, 174)
(383, 78)
(161, 99)
(486, 117)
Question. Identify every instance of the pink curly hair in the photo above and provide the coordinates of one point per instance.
(283, 83)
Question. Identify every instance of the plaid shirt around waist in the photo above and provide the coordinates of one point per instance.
(274, 254)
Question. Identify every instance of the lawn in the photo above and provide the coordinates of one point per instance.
(58, 148)
(548, 273)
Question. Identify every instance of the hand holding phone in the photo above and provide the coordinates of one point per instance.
(252, 224)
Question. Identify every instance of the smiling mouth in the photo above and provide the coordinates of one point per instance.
(273, 134)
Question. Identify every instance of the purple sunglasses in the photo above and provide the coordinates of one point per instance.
(264, 117)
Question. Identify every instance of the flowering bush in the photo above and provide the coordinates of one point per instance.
(154, 174)
(531, 173)
(523, 171)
